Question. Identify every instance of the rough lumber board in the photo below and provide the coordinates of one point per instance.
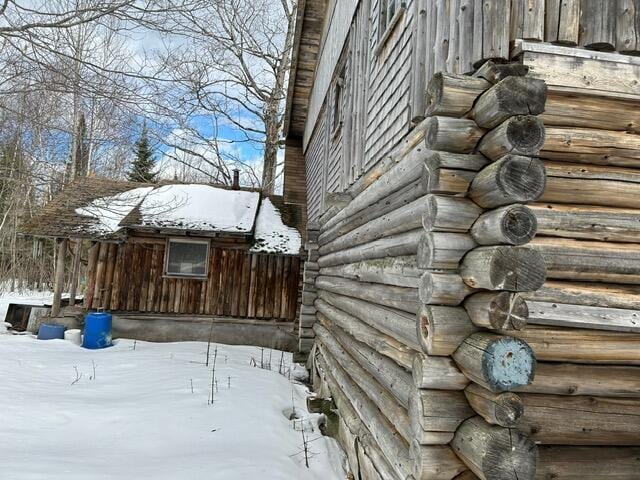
(575, 379)
(580, 420)
(587, 222)
(575, 345)
(581, 316)
(572, 67)
(589, 260)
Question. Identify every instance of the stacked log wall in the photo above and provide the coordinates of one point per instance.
(459, 318)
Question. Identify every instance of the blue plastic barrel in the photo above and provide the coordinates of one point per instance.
(51, 331)
(97, 330)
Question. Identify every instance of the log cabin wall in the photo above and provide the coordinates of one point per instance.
(129, 277)
(453, 342)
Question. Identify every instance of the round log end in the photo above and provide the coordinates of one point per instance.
(508, 311)
(508, 363)
(518, 269)
(434, 93)
(521, 179)
(526, 134)
(425, 253)
(519, 225)
(431, 210)
(514, 455)
(509, 409)
(423, 325)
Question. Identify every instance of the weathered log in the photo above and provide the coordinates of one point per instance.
(450, 181)
(377, 340)
(515, 269)
(555, 344)
(587, 222)
(407, 217)
(512, 179)
(582, 316)
(457, 135)
(438, 410)
(588, 110)
(434, 212)
(396, 245)
(449, 214)
(438, 373)
(468, 475)
(511, 225)
(518, 135)
(437, 462)
(443, 250)
(594, 294)
(575, 379)
(578, 420)
(597, 25)
(350, 372)
(402, 173)
(499, 311)
(509, 97)
(394, 449)
(589, 261)
(453, 95)
(307, 321)
(588, 463)
(396, 200)
(592, 185)
(400, 271)
(388, 373)
(494, 72)
(402, 298)
(498, 363)
(504, 409)
(589, 145)
(443, 288)
(495, 453)
(395, 323)
(442, 329)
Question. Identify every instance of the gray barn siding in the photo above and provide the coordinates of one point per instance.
(316, 166)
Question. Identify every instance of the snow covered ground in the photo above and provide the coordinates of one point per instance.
(145, 413)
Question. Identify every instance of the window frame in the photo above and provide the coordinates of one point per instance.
(386, 23)
(337, 112)
(171, 240)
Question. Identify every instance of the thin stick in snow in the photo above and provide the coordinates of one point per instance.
(78, 376)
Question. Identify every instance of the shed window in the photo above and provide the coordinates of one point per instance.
(388, 10)
(187, 258)
(338, 96)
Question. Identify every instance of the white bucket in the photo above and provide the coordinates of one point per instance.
(73, 336)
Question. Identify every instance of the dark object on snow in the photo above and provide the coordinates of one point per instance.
(51, 331)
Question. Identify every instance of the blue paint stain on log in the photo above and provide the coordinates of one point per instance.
(508, 363)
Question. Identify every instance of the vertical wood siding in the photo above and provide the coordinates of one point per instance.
(129, 277)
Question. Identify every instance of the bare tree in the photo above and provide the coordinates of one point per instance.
(234, 67)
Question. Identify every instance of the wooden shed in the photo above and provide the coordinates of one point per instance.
(172, 259)
(471, 302)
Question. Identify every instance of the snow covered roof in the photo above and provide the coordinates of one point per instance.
(104, 209)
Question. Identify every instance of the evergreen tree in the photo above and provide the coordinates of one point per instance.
(141, 170)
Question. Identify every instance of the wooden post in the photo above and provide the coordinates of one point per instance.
(75, 273)
(59, 277)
